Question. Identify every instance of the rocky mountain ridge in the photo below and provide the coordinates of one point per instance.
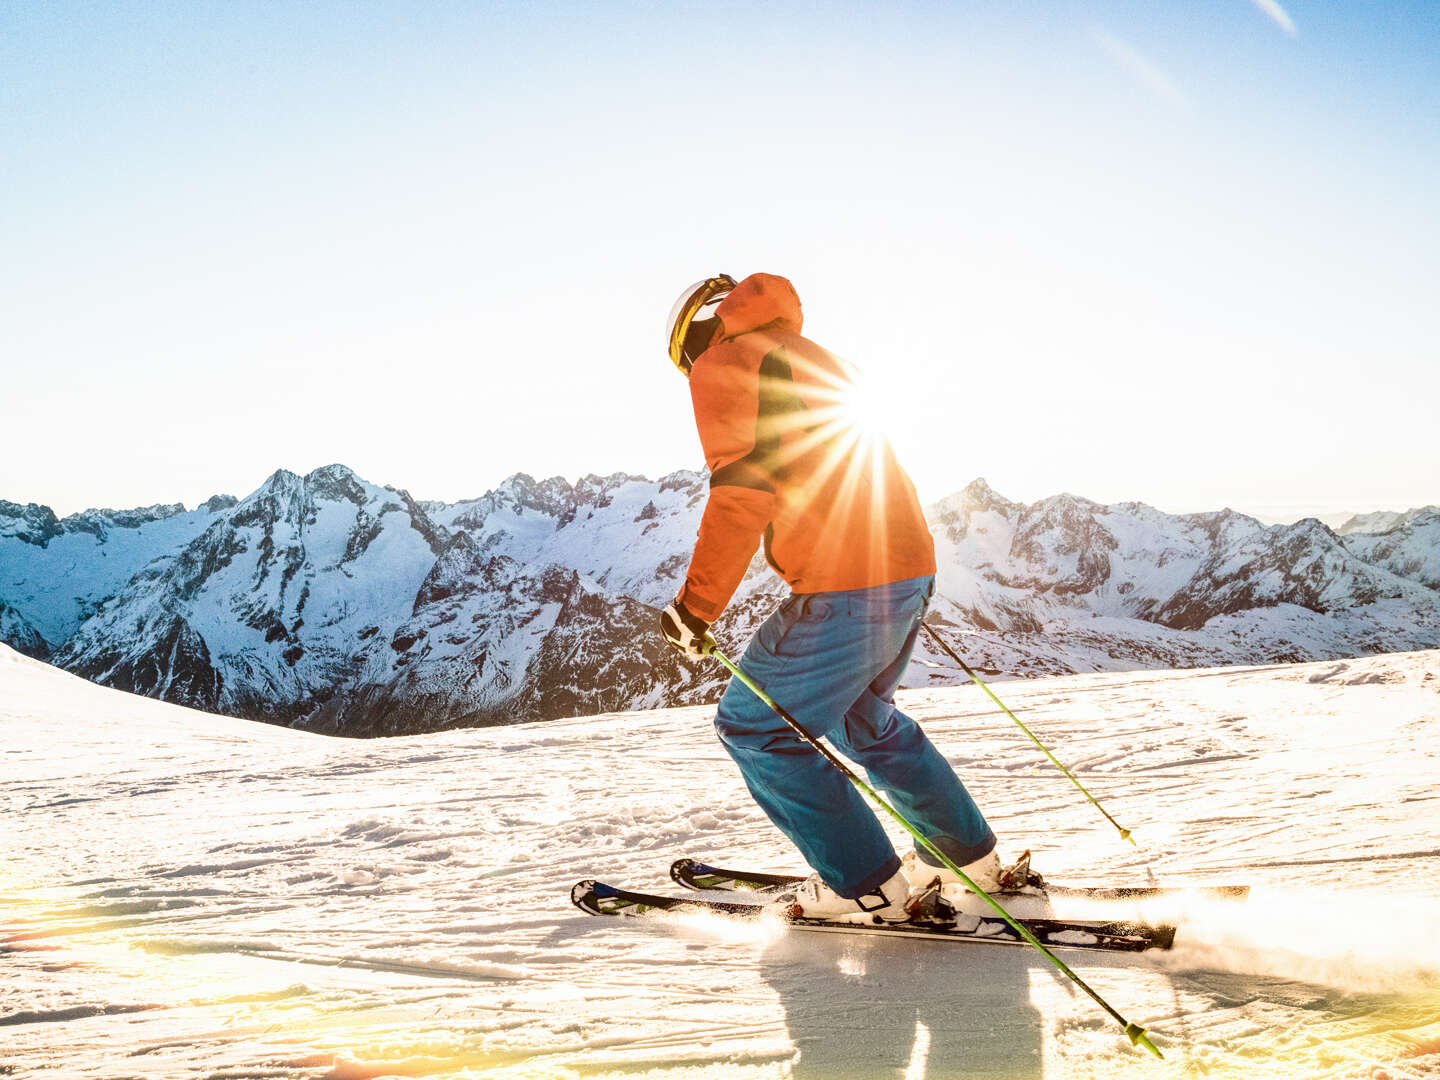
(330, 603)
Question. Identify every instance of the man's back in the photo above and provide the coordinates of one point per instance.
(787, 459)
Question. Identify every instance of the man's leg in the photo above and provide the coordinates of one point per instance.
(814, 659)
(902, 761)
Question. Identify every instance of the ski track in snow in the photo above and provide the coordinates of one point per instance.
(187, 895)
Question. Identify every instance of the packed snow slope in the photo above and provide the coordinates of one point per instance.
(187, 895)
(333, 604)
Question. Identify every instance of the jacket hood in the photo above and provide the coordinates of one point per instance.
(761, 300)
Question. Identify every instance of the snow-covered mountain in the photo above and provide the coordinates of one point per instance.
(1066, 584)
(334, 604)
(54, 572)
(1407, 544)
(337, 605)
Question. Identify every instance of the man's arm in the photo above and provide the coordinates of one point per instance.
(725, 393)
(730, 531)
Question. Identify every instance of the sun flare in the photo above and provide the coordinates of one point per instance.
(874, 408)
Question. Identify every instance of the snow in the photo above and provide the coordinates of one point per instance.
(191, 895)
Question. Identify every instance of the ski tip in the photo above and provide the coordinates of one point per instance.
(1137, 1036)
(590, 896)
(582, 894)
(681, 869)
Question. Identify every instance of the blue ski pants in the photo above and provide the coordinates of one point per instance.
(834, 661)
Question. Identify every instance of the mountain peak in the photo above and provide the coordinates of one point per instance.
(288, 494)
(975, 497)
(336, 483)
(335, 473)
(979, 495)
(516, 483)
(1312, 526)
(278, 481)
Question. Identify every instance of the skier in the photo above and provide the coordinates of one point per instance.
(842, 525)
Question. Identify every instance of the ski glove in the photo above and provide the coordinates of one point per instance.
(685, 631)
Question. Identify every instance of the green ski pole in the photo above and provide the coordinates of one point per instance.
(1134, 1032)
(1124, 832)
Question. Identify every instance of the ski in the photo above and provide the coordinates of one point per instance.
(693, 874)
(598, 898)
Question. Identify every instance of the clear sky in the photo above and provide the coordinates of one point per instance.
(1187, 253)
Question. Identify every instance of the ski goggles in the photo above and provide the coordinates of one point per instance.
(697, 303)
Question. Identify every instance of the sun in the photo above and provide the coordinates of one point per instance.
(872, 407)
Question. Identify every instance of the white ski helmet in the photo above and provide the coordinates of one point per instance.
(696, 304)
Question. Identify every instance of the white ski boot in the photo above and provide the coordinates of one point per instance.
(988, 872)
(984, 871)
(1019, 888)
(813, 899)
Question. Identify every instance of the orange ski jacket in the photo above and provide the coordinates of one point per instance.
(789, 463)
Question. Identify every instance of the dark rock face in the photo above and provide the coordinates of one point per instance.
(460, 571)
(206, 557)
(177, 668)
(1303, 564)
(334, 483)
(1065, 536)
(692, 484)
(30, 524)
(421, 523)
(594, 654)
(16, 631)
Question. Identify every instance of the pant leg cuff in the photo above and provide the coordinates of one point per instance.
(874, 881)
(957, 851)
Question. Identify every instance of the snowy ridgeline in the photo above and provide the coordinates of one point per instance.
(333, 604)
(187, 895)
